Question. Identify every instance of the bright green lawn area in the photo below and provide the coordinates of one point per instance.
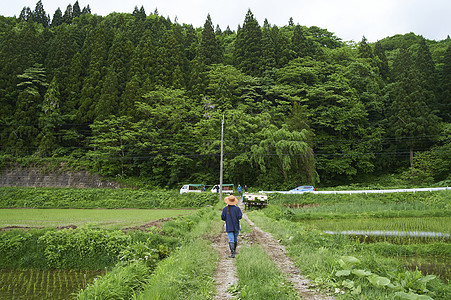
(106, 218)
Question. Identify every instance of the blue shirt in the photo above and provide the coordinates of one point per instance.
(232, 217)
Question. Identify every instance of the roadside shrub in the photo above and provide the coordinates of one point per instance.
(140, 252)
(82, 248)
(19, 249)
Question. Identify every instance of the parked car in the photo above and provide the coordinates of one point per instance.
(303, 188)
(226, 188)
(192, 188)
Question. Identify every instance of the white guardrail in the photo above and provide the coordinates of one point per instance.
(362, 191)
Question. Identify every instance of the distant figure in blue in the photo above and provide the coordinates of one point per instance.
(239, 189)
(232, 214)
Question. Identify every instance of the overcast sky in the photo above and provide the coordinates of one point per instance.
(347, 19)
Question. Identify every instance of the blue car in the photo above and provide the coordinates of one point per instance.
(303, 188)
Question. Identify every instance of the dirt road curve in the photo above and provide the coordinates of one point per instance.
(226, 272)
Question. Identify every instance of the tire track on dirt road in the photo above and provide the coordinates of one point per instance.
(225, 275)
(277, 253)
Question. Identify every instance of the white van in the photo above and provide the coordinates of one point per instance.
(226, 188)
(192, 188)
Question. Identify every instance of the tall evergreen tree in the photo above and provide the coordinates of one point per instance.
(49, 120)
(108, 102)
(39, 14)
(74, 85)
(300, 45)
(96, 46)
(412, 120)
(139, 14)
(26, 14)
(60, 53)
(281, 44)
(57, 18)
(382, 62)
(248, 46)
(68, 15)
(268, 47)
(86, 10)
(76, 10)
(445, 99)
(365, 50)
(119, 57)
(210, 50)
(425, 65)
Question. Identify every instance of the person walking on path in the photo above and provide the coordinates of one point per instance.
(232, 214)
(239, 191)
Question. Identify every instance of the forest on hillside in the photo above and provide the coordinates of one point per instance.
(137, 94)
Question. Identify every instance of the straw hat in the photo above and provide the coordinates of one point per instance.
(231, 200)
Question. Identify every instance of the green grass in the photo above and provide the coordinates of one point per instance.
(121, 283)
(186, 274)
(259, 277)
(105, 218)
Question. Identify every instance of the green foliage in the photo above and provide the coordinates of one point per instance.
(291, 154)
(72, 249)
(139, 95)
(411, 282)
(81, 249)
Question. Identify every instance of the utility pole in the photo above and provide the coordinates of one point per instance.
(222, 157)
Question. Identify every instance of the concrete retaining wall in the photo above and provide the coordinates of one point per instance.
(36, 177)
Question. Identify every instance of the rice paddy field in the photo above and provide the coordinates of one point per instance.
(105, 218)
(412, 227)
(44, 284)
(24, 283)
(408, 224)
(313, 214)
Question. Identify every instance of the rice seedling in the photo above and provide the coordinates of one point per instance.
(43, 284)
(426, 224)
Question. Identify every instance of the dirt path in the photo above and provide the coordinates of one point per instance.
(226, 276)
